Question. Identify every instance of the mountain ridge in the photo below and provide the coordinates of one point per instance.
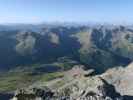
(82, 43)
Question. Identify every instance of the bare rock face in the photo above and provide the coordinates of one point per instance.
(26, 43)
(121, 78)
(93, 88)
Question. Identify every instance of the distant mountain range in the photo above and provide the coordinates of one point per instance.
(96, 46)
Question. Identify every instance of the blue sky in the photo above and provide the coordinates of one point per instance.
(36, 11)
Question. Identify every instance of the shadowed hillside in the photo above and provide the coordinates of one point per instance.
(100, 47)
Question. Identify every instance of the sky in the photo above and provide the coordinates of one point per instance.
(37, 11)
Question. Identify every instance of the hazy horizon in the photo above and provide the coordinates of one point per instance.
(39, 11)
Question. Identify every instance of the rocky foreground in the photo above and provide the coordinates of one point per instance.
(83, 85)
(100, 90)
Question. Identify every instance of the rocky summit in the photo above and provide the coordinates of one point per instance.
(99, 89)
(78, 86)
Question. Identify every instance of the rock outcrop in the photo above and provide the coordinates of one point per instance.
(33, 94)
(77, 84)
(121, 78)
(93, 88)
